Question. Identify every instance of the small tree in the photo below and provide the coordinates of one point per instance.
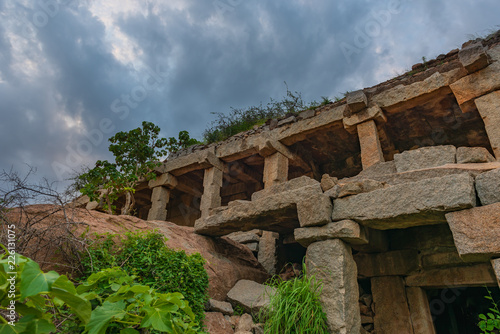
(137, 152)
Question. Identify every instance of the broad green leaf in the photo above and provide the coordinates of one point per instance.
(129, 331)
(40, 326)
(17, 329)
(25, 310)
(65, 291)
(157, 318)
(103, 315)
(34, 281)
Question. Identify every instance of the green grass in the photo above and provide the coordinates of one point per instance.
(295, 308)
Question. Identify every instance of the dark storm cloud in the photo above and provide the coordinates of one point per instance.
(63, 84)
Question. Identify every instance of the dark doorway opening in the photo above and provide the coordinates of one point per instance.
(456, 310)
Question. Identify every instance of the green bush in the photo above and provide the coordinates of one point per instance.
(490, 321)
(295, 307)
(145, 256)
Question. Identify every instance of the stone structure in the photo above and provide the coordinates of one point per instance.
(395, 187)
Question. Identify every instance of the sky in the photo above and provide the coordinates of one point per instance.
(73, 73)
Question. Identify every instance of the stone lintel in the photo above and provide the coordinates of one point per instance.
(191, 162)
(477, 275)
(347, 230)
(393, 263)
(371, 150)
(159, 200)
(372, 113)
(275, 169)
(421, 317)
(489, 109)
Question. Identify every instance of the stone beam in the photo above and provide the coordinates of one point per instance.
(272, 146)
(332, 264)
(275, 169)
(471, 276)
(371, 150)
(166, 180)
(373, 113)
(194, 161)
(159, 201)
(212, 183)
(489, 109)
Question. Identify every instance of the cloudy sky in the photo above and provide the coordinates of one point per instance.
(73, 73)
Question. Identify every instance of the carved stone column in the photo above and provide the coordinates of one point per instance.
(371, 150)
(275, 169)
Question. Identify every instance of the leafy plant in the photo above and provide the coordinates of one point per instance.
(145, 256)
(295, 307)
(136, 153)
(491, 320)
(183, 141)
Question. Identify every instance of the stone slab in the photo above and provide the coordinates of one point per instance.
(467, 155)
(166, 179)
(393, 263)
(473, 57)
(374, 113)
(476, 232)
(425, 157)
(418, 203)
(245, 237)
(392, 315)
(220, 306)
(315, 210)
(250, 295)
(488, 187)
(347, 230)
(489, 109)
(294, 184)
(477, 275)
(332, 264)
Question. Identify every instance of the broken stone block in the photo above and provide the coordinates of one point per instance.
(355, 187)
(477, 84)
(332, 264)
(476, 232)
(219, 306)
(473, 57)
(371, 150)
(315, 210)
(216, 323)
(489, 109)
(425, 157)
(488, 187)
(466, 155)
(378, 169)
(293, 184)
(347, 230)
(418, 203)
(421, 317)
(477, 275)
(250, 295)
(394, 263)
(245, 324)
(245, 237)
(287, 120)
(496, 268)
(392, 315)
(357, 101)
(267, 251)
(306, 114)
(328, 182)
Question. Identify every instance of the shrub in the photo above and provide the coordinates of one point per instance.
(145, 256)
(490, 321)
(295, 307)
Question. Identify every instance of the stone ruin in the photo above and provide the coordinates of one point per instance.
(392, 195)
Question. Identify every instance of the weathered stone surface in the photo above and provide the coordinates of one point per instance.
(159, 200)
(245, 324)
(212, 182)
(294, 184)
(418, 203)
(476, 232)
(394, 263)
(216, 323)
(245, 237)
(328, 182)
(315, 210)
(287, 120)
(488, 187)
(473, 57)
(425, 157)
(166, 180)
(195, 161)
(357, 101)
(489, 109)
(276, 213)
(306, 114)
(466, 155)
(377, 242)
(371, 150)
(253, 246)
(332, 263)
(496, 268)
(378, 169)
(477, 84)
(354, 187)
(275, 169)
(374, 113)
(470, 276)
(420, 313)
(251, 296)
(267, 251)
(422, 238)
(392, 315)
(220, 306)
(347, 230)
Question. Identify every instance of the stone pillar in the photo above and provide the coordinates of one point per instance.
(159, 201)
(275, 169)
(212, 182)
(392, 315)
(420, 313)
(332, 264)
(371, 150)
(489, 109)
(267, 251)
(496, 269)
